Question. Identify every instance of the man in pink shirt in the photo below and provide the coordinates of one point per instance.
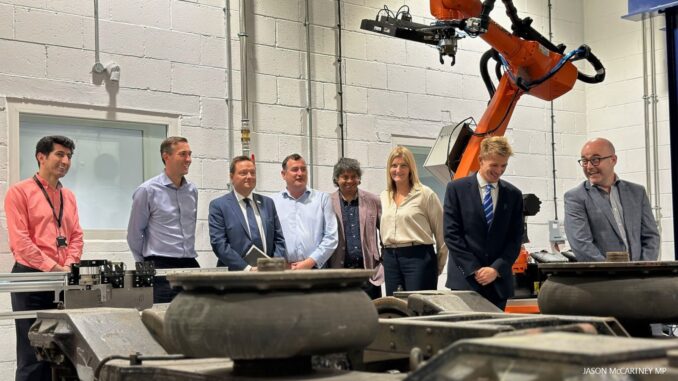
(44, 235)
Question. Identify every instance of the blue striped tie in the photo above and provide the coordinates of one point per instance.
(487, 205)
(252, 224)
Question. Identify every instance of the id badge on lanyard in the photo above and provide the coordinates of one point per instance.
(60, 240)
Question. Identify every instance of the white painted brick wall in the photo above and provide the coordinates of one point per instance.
(387, 103)
(173, 60)
(6, 21)
(406, 79)
(115, 37)
(172, 45)
(323, 40)
(193, 80)
(212, 51)
(55, 28)
(290, 34)
(83, 8)
(68, 64)
(196, 18)
(31, 63)
(268, 60)
(615, 110)
(153, 13)
(366, 74)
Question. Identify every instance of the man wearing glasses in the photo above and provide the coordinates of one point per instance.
(606, 214)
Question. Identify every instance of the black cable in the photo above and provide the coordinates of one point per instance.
(512, 12)
(497, 70)
(340, 93)
(503, 118)
(488, 5)
(523, 28)
(407, 12)
(134, 359)
(553, 133)
(449, 140)
(484, 74)
(388, 12)
(103, 362)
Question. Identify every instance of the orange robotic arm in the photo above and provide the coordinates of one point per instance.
(531, 63)
(527, 60)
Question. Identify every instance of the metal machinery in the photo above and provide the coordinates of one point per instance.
(319, 325)
(223, 326)
(636, 293)
(91, 283)
(527, 63)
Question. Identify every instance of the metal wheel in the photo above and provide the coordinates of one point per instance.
(390, 307)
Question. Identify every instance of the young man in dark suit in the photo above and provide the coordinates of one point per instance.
(483, 222)
(241, 219)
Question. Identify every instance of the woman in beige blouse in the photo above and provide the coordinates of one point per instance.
(411, 225)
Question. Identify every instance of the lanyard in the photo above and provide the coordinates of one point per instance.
(61, 198)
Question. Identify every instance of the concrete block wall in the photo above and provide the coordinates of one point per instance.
(616, 110)
(173, 56)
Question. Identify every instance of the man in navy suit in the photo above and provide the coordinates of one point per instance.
(241, 219)
(483, 221)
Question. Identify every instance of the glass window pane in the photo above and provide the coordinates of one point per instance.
(108, 163)
(420, 154)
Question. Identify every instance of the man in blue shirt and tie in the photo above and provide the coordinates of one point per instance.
(308, 221)
(242, 219)
(162, 222)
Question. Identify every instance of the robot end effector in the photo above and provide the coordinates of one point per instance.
(457, 19)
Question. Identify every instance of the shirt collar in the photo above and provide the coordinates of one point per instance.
(287, 194)
(482, 183)
(615, 183)
(349, 203)
(45, 183)
(415, 188)
(357, 196)
(240, 197)
(166, 181)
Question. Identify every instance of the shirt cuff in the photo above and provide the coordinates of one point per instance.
(46, 266)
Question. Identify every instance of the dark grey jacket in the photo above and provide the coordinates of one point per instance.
(592, 231)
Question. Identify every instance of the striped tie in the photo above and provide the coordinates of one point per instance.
(487, 205)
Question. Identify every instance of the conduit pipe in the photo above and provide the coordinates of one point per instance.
(244, 93)
(229, 77)
(112, 69)
(553, 134)
(655, 127)
(98, 66)
(646, 112)
(340, 80)
(309, 105)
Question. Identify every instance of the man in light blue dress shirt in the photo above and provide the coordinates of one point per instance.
(307, 218)
(161, 225)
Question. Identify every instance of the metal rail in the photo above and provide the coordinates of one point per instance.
(58, 282)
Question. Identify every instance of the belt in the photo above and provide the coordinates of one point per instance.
(399, 245)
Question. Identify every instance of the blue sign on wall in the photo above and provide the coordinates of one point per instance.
(636, 8)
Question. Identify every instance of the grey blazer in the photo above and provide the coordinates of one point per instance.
(591, 229)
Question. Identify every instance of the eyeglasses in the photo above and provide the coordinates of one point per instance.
(595, 161)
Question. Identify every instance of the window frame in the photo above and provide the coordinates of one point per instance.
(417, 141)
(17, 107)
